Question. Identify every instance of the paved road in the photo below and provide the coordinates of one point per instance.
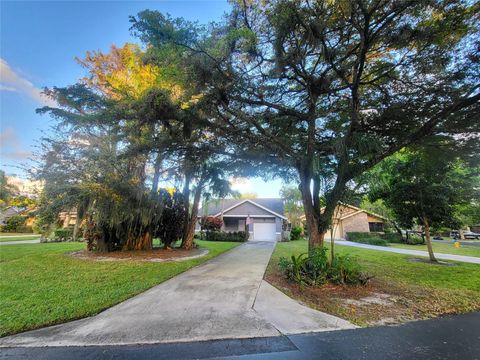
(36, 241)
(454, 337)
(222, 298)
(466, 259)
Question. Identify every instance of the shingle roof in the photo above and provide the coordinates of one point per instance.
(217, 205)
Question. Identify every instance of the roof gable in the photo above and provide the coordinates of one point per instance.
(260, 206)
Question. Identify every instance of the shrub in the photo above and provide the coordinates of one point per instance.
(237, 236)
(25, 229)
(14, 223)
(355, 236)
(366, 238)
(211, 223)
(413, 239)
(315, 269)
(346, 270)
(63, 234)
(393, 238)
(296, 233)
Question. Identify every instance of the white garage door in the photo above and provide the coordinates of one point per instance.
(264, 231)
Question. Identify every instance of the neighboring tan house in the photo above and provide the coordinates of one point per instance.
(68, 218)
(348, 218)
(263, 218)
(11, 211)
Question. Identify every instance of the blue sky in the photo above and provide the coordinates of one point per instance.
(39, 42)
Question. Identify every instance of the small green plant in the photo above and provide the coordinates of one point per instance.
(316, 269)
(345, 269)
(296, 233)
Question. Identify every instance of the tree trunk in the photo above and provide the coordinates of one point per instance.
(187, 242)
(141, 242)
(332, 244)
(315, 238)
(186, 202)
(156, 174)
(78, 220)
(461, 234)
(429, 241)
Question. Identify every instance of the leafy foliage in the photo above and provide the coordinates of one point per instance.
(211, 223)
(316, 269)
(172, 220)
(7, 190)
(236, 236)
(321, 92)
(296, 233)
(14, 224)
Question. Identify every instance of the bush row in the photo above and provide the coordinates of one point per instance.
(367, 238)
(237, 236)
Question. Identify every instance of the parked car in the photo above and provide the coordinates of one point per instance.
(466, 234)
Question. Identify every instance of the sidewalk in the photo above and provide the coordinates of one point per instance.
(461, 258)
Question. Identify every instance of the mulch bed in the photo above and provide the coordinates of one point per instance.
(377, 303)
(154, 255)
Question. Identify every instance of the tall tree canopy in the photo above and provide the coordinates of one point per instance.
(327, 89)
(425, 187)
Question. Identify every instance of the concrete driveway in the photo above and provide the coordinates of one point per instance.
(224, 298)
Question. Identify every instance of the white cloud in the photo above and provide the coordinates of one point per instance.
(10, 147)
(6, 88)
(240, 184)
(11, 81)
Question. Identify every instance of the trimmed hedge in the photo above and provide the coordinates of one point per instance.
(366, 238)
(237, 236)
(393, 238)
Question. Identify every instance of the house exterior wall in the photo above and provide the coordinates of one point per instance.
(247, 209)
(374, 219)
(337, 231)
(355, 223)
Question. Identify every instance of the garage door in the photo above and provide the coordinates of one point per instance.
(264, 231)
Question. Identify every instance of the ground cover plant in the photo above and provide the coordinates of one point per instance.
(41, 286)
(403, 287)
(315, 268)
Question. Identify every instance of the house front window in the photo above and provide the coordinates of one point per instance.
(375, 226)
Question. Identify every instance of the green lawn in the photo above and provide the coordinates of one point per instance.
(443, 248)
(40, 285)
(19, 238)
(426, 290)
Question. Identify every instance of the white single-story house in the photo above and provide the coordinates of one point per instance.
(348, 218)
(263, 217)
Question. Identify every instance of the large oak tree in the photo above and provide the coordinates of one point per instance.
(325, 90)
